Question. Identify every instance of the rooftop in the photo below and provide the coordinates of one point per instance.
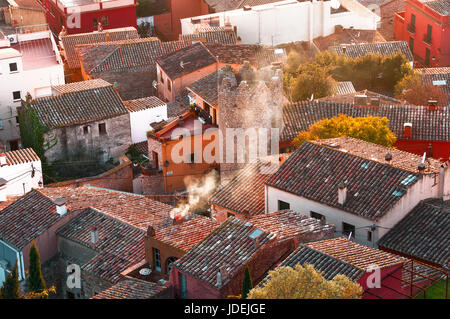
(315, 172)
(377, 153)
(80, 103)
(143, 104)
(186, 60)
(120, 245)
(427, 125)
(423, 233)
(350, 97)
(357, 255)
(21, 156)
(131, 288)
(383, 48)
(440, 6)
(133, 209)
(37, 53)
(288, 223)
(343, 88)
(69, 41)
(244, 194)
(228, 247)
(187, 234)
(219, 36)
(348, 36)
(437, 76)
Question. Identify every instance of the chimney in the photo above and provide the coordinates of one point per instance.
(342, 193)
(3, 160)
(61, 208)
(344, 49)
(222, 275)
(407, 127)
(150, 231)
(177, 220)
(441, 181)
(432, 105)
(94, 235)
(3, 189)
(388, 158)
(421, 167)
(239, 40)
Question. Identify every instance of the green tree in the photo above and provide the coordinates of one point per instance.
(370, 128)
(305, 283)
(35, 280)
(247, 284)
(11, 286)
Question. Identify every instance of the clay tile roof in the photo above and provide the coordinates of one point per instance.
(326, 264)
(350, 97)
(314, 172)
(189, 233)
(357, 255)
(259, 56)
(288, 223)
(194, 57)
(136, 210)
(437, 76)
(374, 152)
(423, 233)
(79, 105)
(341, 88)
(229, 246)
(220, 36)
(131, 288)
(384, 48)
(70, 41)
(427, 125)
(207, 87)
(21, 156)
(119, 247)
(142, 147)
(440, 6)
(80, 86)
(143, 104)
(27, 218)
(350, 36)
(244, 194)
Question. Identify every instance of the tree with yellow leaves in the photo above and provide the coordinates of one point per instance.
(370, 128)
(305, 283)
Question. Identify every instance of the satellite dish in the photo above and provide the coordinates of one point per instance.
(145, 271)
(335, 4)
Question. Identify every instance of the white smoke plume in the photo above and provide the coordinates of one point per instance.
(199, 190)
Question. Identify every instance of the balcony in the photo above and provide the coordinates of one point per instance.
(411, 28)
(427, 39)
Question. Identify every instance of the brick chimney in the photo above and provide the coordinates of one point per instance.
(432, 105)
(342, 193)
(178, 220)
(150, 231)
(3, 160)
(94, 235)
(388, 158)
(3, 183)
(421, 167)
(407, 128)
(61, 207)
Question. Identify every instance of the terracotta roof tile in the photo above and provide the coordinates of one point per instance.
(189, 233)
(132, 289)
(440, 6)
(384, 48)
(228, 246)
(21, 156)
(423, 233)
(143, 104)
(357, 255)
(120, 245)
(315, 172)
(80, 86)
(437, 76)
(220, 36)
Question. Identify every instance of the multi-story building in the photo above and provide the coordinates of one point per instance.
(426, 27)
(29, 63)
(85, 16)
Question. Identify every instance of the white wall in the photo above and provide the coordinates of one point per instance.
(290, 21)
(427, 187)
(19, 177)
(140, 122)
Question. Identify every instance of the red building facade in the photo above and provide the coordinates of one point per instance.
(85, 18)
(426, 27)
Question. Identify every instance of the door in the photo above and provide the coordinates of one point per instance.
(411, 44)
(183, 286)
(427, 57)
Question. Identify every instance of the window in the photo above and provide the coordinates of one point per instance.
(169, 86)
(95, 20)
(170, 261)
(86, 129)
(427, 57)
(369, 235)
(14, 145)
(283, 205)
(13, 67)
(52, 12)
(412, 24)
(317, 215)
(1, 124)
(105, 20)
(162, 78)
(102, 128)
(411, 44)
(61, 20)
(347, 229)
(16, 95)
(157, 256)
(428, 35)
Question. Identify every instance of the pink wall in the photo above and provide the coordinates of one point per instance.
(386, 281)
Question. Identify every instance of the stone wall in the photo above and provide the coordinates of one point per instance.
(148, 185)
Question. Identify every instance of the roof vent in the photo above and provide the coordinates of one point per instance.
(388, 157)
(3, 160)
(407, 128)
(421, 167)
(61, 207)
(94, 235)
(432, 105)
(342, 193)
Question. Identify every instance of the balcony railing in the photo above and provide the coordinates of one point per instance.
(411, 28)
(427, 39)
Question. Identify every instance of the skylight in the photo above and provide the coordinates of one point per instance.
(408, 180)
(256, 233)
